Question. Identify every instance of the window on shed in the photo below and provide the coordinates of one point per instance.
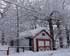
(43, 34)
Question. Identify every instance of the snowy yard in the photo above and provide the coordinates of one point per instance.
(60, 52)
(63, 52)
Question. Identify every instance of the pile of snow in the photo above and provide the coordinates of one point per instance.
(64, 52)
(3, 50)
(4, 47)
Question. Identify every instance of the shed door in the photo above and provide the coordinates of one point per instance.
(43, 44)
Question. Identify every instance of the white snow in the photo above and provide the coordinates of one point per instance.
(59, 52)
(32, 54)
(32, 32)
(35, 31)
(3, 50)
(3, 47)
(47, 53)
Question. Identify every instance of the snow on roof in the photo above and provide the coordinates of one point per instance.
(25, 34)
(32, 32)
(54, 26)
(35, 31)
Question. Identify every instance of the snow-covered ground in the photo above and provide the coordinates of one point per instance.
(3, 47)
(60, 52)
(63, 52)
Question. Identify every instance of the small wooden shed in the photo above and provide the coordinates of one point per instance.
(39, 39)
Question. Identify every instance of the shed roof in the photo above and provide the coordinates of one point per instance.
(31, 33)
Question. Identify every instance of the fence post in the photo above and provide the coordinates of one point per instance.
(7, 52)
(23, 49)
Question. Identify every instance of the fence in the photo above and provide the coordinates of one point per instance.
(20, 47)
(4, 51)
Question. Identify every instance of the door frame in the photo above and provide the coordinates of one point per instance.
(37, 45)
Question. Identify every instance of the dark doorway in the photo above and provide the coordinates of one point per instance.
(30, 43)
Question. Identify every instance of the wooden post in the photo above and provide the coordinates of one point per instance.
(3, 39)
(23, 49)
(8, 51)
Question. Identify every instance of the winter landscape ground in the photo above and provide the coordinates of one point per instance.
(60, 52)
(63, 52)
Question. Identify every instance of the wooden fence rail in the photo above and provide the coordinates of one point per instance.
(23, 48)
